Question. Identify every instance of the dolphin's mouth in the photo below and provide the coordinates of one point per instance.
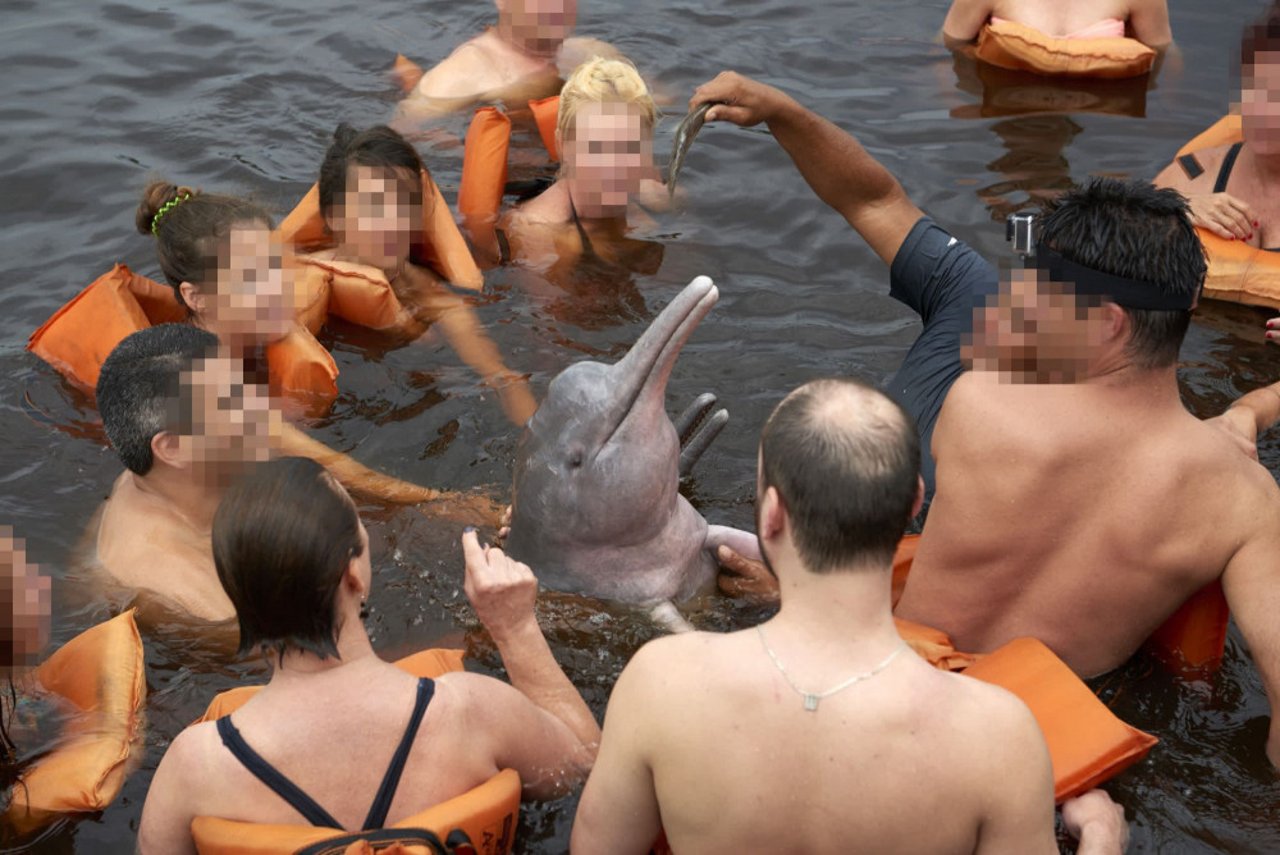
(644, 371)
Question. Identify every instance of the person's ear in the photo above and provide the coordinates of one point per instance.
(773, 515)
(353, 580)
(1118, 325)
(191, 297)
(166, 448)
(919, 502)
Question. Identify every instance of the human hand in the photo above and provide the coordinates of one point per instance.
(738, 99)
(1096, 817)
(742, 577)
(504, 524)
(500, 589)
(1273, 330)
(1224, 215)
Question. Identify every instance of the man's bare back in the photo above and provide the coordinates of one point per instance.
(1086, 533)
(727, 740)
(144, 543)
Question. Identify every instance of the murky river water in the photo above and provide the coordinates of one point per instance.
(241, 97)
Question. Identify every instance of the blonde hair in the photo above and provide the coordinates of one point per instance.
(601, 81)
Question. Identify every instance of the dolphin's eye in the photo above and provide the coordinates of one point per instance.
(575, 459)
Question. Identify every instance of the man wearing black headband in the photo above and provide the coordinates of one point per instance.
(1076, 499)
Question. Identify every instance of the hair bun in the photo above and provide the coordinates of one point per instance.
(344, 135)
(156, 195)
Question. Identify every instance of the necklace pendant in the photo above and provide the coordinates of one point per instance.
(811, 702)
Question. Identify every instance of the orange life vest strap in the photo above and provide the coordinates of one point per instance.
(440, 245)
(1087, 743)
(484, 164)
(101, 672)
(546, 112)
(80, 335)
(1016, 46)
(1229, 129)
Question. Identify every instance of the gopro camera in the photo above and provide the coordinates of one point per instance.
(1020, 231)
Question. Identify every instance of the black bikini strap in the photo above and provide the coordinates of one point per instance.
(377, 817)
(587, 248)
(1228, 164)
(267, 774)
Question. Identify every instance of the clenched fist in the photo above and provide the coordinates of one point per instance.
(500, 589)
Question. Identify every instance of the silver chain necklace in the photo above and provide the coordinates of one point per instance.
(811, 699)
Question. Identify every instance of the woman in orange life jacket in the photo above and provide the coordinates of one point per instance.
(222, 260)
(604, 132)
(372, 200)
(293, 556)
(1146, 21)
(1234, 188)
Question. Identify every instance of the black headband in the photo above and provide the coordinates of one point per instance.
(1130, 293)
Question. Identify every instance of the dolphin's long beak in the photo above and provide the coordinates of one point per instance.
(644, 371)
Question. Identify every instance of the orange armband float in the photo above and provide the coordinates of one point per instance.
(1021, 48)
(487, 813)
(101, 673)
(1238, 272)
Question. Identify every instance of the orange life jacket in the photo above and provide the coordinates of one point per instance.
(1016, 46)
(101, 672)
(487, 813)
(80, 335)
(484, 160)
(1238, 273)
(439, 244)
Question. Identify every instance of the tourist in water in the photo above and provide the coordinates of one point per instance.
(24, 631)
(1076, 499)
(1233, 189)
(523, 57)
(1144, 20)
(838, 481)
(294, 559)
(184, 422)
(372, 200)
(605, 134)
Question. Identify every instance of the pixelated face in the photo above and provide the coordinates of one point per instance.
(1035, 330)
(1260, 103)
(375, 217)
(540, 26)
(25, 594)
(251, 300)
(231, 419)
(609, 155)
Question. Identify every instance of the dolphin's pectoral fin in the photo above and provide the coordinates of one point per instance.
(744, 543)
(667, 616)
(693, 416)
(697, 428)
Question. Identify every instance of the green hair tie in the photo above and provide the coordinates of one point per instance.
(166, 208)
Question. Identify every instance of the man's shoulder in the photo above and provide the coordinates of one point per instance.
(462, 73)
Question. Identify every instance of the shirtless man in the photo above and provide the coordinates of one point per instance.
(183, 422)
(1077, 500)
(522, 58)
(839, 770)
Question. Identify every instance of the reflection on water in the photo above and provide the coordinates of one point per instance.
(239, 96)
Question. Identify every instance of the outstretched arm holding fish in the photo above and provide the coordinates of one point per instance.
(832, 162)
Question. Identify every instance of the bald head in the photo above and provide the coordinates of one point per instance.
(845, 460)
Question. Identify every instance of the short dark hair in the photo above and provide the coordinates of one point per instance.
(282, 538)
(1260, 36)
(140, 390)
(191, 228)
(1138, 231)
(845, 460)
(378, 146)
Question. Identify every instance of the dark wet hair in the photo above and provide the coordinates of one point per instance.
(190, 233)
(140, 390)
(1139, 231)
(1261, 36)
(282, 538)
(11, 767)
(379, 147)
(845, 460)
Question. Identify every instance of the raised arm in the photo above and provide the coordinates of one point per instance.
(555, 749)
(964, 21)
(833, 163)
(1252, 585)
